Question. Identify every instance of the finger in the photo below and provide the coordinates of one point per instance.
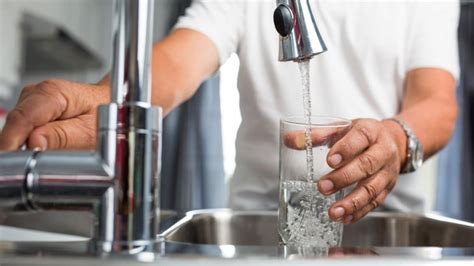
(25, 92)
(365, 192)
(365, 165)
(355, 217)
(17, 119)
(12, 136)
(40, 104)
(319, 136)
(362, 135)
(75, 133)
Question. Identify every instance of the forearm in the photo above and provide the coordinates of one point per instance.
(180, 63)
(430, 109)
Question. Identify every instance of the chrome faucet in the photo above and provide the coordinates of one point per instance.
(120, 181)
(300, 38)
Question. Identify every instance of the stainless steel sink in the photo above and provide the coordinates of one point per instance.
(226, 227)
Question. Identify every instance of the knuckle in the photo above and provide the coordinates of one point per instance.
(48, 87)
(52, 90)
(374, 204)
(365, 133)
(346, 147)
(355, 202)
(61, 137)
(48, 84)
(45, 88)
(346, 177)
(18, 115)
(371, 191)
(368, 164)
(369, 128)
(27, 90)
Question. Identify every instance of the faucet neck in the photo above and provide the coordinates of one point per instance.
(129, 137)
(133, 35)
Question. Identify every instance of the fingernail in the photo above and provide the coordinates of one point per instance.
(349, 219)
(300, 141)
(339, 212)
(43, 143)
(326, 186)
(335, 160)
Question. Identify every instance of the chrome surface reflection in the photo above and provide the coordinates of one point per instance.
(300, 38)
(224, 227)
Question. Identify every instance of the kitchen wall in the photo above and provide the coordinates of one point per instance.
(88, 21)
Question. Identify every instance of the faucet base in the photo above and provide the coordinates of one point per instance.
(104, 248)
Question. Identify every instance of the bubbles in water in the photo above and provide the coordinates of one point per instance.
(303, 216)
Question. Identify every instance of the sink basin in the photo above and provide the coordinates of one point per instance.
(225, 227)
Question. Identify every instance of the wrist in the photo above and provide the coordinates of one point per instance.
(401, 139)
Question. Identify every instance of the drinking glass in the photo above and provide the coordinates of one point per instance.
(303, 211)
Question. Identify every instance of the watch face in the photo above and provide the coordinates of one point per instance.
(418, 156)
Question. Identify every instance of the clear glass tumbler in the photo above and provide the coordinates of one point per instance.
(303, 211)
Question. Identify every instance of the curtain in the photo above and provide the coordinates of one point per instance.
(466, 38)
(192, 162)
(455, 181)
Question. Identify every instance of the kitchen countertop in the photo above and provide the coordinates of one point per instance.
(167, 253)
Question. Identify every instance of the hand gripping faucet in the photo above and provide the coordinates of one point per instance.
(119, 182)
(300, 38)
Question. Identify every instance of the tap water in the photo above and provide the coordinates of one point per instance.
(303, 217)
(305, 78)
(303, 211)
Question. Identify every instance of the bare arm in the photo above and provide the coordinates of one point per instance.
(430, 108)
(181, 63)
(57, 114)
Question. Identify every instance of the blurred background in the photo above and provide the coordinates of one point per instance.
(72, 39)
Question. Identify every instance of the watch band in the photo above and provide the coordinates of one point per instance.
(413, 145)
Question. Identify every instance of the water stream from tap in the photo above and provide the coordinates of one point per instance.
(305, 78)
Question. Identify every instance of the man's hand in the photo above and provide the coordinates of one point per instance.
(54, 114)
(369, 155)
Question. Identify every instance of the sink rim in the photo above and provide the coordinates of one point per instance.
(376, 214)
(188, 217)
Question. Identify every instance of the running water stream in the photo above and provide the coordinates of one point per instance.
(305, 78)
(303, 215)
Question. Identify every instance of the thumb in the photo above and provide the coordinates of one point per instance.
(76, 134)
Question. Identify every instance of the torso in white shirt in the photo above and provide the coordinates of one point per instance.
(372, 44)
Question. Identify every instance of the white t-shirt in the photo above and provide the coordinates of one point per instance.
(372, 45)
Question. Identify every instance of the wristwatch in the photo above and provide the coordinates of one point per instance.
(414, 158)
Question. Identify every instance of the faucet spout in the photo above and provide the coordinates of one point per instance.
(300, 38)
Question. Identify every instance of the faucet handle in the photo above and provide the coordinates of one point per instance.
(284, 20)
